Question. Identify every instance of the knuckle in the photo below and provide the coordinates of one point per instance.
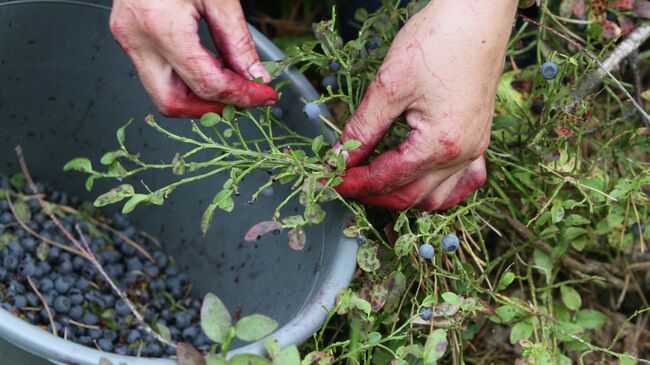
(354, 129)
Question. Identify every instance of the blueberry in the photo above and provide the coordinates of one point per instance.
(110, 335)
(581, 27)
(201, 340)
(53, 254)
(134, 263)
(549, 70)
(20, 301)
(268, 192)
(109, 299)
(63, 284)
(6, 218)
(361, 240)
(65, 267)
(277, 112)
(121, 350)
(114, 270)
(6, 306)
(96, 299)
(450, 243)
(426, 313)
(127, 249)
(189, 334)
(121, 308)
(49, 297)
(29, 243)
(10, 262)
(157, 285)
(171, 271)
(32, 299)
(153, 349)
(373, 43)
(95, 333)
(76, 312)
(78, 262)
(638, 230)
(82, 284)
(335, 66)
(133, 336)
(90, 319)
(537, 107)
(15, 248)
(27, 268)
(160, 258)
(182, 320)
(311, 110)
(110, 256)
(75, 296)
(61, 304)
(330, 81)
(152, 270)
(85, 340)
(105, 345)
(4, 274)
(167, 315)
(16, 288)
(426, 251)
(45, 267)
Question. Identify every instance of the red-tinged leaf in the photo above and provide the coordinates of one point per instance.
(188, 355)
(579, 7)
(642, 10)
(262, 228)
(297, 238)
(624, 4)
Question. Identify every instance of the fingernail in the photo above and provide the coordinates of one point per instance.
(257, 70)
(337, 149)
(270, 102)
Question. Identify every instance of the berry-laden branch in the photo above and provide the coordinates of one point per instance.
(86, 252)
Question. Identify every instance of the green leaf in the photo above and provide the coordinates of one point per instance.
(572, 232)
(228, 113)
(248, 359)
(111, 156)
(570, 297)
(274, 68)
(89, 182)
(210, 119)
(17, 181)
(314, 214)
(254, 327)
(293, 220)
(215, 318)
(288, 356)
(272, 347)
(317, 144)
(114, 195)
(178, 164)
(206, 218)
(404, 244)
(520, 331)
(351, 144)
(120, 133)
(590, 319)
(543, 263)
(396, 286)
(367, 257)
(450, 298)
(297, 238)
(557, 212)
(435, 347)
(363, 305)
(576, 220)
(163, 331)
(626, 359)
(23, 213)
(80, 164)
(224, 200)
(133, 202)
(212, 359)
(505, 281)
(188, 355)
(105, 361)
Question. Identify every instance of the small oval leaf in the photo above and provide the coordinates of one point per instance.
(254, 327)
(215, 318)
(79, 164)
(260, 229)
(367, 257)
(188, 355)
(297, 238)
(114, 195)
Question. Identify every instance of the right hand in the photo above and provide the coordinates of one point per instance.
(183, 77)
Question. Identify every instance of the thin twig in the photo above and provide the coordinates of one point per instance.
(87, 253)
(640, 34)
(47, 308)
(33, 233)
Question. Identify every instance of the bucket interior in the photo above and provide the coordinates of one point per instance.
(66, 88)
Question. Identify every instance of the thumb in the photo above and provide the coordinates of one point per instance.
(370, 122)
(230, 33)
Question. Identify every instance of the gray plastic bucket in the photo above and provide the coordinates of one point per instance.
(65, 87)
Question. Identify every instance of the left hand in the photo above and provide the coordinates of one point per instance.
(441, 72)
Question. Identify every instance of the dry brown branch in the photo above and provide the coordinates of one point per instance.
(47, 308)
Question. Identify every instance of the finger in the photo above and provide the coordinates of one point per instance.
(423, 150)
(469, 179)
(170, 94)
(411, 194)
(202, 71)
(380, 106)
(230, 32)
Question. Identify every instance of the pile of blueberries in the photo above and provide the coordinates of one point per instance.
(85, 309)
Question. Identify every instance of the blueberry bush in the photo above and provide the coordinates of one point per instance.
(546, 264)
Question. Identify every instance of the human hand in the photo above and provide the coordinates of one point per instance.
(441, 72)
(183, 77)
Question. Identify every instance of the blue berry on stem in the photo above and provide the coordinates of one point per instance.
(277, 112)
(268, 192)
(426, 313)
(335, 66)
(311, 110)
(450, 243)
(373, 43)
(330, 81)
(426, 251)
(638, 230)
(549, 70)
